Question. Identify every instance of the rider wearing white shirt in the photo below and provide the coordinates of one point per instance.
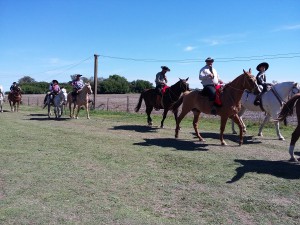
(209, 78)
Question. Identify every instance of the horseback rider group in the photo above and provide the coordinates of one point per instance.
(211, 81)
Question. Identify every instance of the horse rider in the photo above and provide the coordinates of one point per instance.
(161, 81)
(13, 87)
(261, 81)
(209, 79)
(77, 84)
(54, 89)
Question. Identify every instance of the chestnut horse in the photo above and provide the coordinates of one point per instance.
(82, 99)
(171, 95)
(15, 99)
(286, 110)
(231, 97)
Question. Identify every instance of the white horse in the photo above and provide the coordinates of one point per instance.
(58, 103)
(1, 100)
(272, 101)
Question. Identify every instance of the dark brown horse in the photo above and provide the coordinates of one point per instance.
(231, 97)
(15, 98)
(286, 110)
(171, 95)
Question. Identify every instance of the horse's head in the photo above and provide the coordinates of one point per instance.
(64, 94)
(88, 88)
(184, 86)
(295, 90)
(249, 81)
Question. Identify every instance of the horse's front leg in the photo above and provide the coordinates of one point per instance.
(240, 114)
(77, 111)
(49, 108)
(236, 119)
(164, 117)
(267, 118)
(222, 128)
(87, 110)
(280, 137)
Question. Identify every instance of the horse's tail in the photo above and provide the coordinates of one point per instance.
(138, 106)
(287, 109)
(177, 104)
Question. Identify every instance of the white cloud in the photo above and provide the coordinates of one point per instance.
(189, 48)
(288, 27)
(225, 39)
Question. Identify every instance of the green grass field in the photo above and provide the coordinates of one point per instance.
(113, 169)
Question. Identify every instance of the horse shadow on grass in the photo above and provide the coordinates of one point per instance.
(281, 169)
(44, 117)
(177, 144)
(231, 137)
(136, 128)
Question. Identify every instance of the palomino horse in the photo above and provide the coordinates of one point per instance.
(171, 95)
(15, 99)
(82, 99)
(286, 110)
(58, 102)
(231, 96)
(272, 102)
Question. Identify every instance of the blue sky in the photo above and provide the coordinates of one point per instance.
(53, 39)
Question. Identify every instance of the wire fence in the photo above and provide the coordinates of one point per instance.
(128, 102)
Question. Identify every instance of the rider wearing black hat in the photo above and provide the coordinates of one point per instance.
(161, 81)
(261, 80)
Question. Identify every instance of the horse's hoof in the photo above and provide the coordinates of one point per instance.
(234, 132)
(293, 160)
(281, 139)
(162, 127)
(202, 140)
(260, 135)
(224, 143)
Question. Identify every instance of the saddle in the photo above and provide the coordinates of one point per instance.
(158, 104)
(219, 91)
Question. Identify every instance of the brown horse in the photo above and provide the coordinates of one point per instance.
(15, 98)
(231, 96)
(286, 110)
(171, 95)
(82, 99)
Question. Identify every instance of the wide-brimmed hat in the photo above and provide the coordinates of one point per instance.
(78, 75)
(209, 60)
(165, 68)
(264, 64)
(54, 81)
(14, 82)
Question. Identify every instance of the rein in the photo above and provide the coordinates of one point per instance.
(280, 100)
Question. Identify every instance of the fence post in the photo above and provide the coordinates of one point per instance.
(127, 103)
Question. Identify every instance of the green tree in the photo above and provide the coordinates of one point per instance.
(26, 79)
(115, 84)
(139, 85)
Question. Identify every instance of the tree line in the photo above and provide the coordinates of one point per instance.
(114, 84)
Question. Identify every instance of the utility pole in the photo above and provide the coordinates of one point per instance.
(95, 78)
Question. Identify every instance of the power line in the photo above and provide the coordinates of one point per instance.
(233, 59)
